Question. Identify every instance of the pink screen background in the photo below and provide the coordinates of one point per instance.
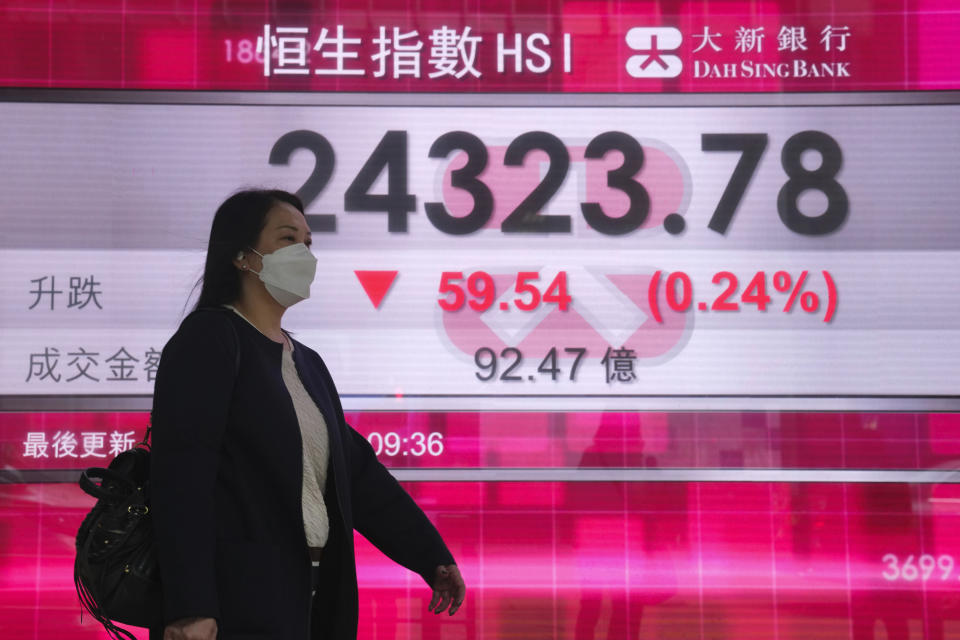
(547, 559)
(895, 45)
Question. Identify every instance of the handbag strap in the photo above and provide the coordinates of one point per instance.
(236, 371)
(97, 490)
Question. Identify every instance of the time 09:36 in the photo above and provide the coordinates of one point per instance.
(416, 444)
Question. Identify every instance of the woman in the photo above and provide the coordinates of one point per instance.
(257, 481)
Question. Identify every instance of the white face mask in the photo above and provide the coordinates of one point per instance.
(288, 272)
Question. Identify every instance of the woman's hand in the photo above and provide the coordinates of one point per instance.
(191, 629)
(448, 589)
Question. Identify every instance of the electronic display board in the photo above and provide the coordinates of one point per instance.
(651, 306)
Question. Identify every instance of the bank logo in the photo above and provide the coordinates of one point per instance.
(650, 43)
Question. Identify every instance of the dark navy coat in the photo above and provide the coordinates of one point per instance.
(226, 483)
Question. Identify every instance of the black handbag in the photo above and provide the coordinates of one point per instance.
(116, 571)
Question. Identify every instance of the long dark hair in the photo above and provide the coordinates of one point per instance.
(236, 226)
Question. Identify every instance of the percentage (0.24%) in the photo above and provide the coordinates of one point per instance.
(680, 293)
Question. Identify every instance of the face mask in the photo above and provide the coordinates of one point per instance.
(288, 272)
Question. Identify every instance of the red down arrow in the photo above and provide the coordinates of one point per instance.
(376, 284)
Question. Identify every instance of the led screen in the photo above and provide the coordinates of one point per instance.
(650, 306)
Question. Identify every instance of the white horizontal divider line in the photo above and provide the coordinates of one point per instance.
(555, 474)
(585, 474)
(545, 403)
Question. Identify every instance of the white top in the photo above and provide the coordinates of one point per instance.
(316, 447)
